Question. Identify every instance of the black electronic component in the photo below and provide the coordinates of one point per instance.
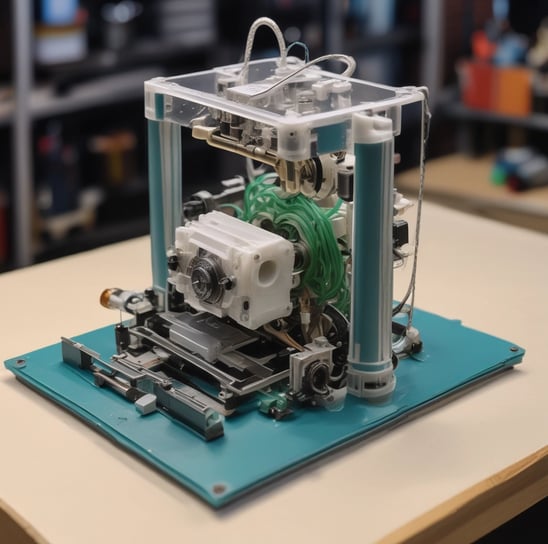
(175, 299)
(172, 262)
(121, 333)
(400, 233)
(345, 184)
(316, 379)
(199, 203)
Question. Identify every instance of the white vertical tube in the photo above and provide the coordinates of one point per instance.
(371, 373)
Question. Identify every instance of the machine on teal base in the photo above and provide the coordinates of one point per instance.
(269, 336)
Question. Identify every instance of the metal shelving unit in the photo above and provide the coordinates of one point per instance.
(429, 37)
(478, 131)
(533, 121)
(32, 103)
(105, 80)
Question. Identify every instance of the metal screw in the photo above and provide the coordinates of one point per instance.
(219, 489)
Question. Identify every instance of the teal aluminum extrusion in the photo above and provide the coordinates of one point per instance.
(371, 370)
(165, 193)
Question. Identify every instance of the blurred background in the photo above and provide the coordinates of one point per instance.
(73, 133)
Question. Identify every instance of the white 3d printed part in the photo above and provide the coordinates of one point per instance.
(232, 268)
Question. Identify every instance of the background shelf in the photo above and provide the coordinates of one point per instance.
(104, 89)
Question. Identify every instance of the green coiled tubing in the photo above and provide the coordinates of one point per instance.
(300, 219)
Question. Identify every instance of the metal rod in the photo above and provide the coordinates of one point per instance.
(22, 145)
(211, 136)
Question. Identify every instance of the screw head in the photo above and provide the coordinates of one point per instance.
(219, 489)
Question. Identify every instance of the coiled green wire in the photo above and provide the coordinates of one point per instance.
(298, 217)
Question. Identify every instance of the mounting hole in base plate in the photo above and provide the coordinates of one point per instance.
(219, 489)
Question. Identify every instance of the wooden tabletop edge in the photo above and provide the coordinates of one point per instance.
(482, 507)
(17, 530)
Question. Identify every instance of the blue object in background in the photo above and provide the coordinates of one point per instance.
(381, 16)
(60, 183)
(520, 168)
(511, 50)
(58, 12)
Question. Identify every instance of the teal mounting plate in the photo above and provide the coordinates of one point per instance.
(256, 449)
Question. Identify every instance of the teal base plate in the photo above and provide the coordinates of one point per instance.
(256, 449)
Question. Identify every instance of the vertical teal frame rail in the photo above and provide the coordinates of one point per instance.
(165, 193)
(371, 370)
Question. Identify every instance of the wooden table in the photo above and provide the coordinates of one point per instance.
(457, 471)
(463, 183)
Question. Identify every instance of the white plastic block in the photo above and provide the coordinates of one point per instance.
(256, 264)
(146, 404)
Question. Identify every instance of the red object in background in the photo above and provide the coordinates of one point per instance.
(476, 84)
(514, 184)
(482, 47)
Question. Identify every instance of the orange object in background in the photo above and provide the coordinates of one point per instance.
(513, 91)
(117, 151)
(506, 89)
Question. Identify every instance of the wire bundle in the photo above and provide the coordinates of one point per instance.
(300, 219)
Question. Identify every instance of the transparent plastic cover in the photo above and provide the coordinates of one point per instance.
(286, 106)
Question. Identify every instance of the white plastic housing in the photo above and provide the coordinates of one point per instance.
(257, 264)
